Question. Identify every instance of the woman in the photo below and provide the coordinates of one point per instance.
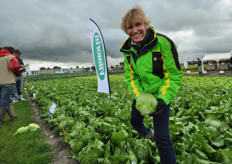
(9, 69)
(151, 66)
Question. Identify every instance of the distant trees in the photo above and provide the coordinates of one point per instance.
(93, 68)
(194, 62)
(42, 68)
(56, 67)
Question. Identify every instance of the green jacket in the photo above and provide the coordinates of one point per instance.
(153, 66)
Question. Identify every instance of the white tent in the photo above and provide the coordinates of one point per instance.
(216, 57)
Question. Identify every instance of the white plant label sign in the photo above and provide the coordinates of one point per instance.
(52, 109)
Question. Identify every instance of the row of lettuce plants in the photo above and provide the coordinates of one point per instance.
(98, 128)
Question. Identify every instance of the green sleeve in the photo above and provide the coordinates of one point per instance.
(132, 79)
(172, 72)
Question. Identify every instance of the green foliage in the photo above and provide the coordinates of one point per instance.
(21, 130)
(200, 120)
(30, 127)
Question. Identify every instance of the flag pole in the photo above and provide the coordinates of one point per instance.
(106, 64)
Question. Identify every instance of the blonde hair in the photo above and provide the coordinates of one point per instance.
(135, 11)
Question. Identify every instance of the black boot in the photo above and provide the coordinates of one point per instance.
(149, 135)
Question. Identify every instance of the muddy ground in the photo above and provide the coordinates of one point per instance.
(59, 149)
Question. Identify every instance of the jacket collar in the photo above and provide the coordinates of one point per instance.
(147, 44)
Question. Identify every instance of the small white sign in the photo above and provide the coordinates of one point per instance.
(32, 87)
(204, 72)
(35, 94)
(188, 72)
(52, 109)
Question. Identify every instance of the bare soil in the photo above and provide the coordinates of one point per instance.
(59, 148)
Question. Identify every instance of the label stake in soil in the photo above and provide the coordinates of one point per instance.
(64, 134)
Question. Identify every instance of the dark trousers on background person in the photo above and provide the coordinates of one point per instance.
(18, 88)
(19, 83)
(161, 132)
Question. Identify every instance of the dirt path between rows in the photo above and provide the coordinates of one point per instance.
(59, 149)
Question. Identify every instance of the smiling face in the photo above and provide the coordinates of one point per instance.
(136, 29)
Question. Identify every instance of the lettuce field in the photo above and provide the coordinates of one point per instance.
(98, 129)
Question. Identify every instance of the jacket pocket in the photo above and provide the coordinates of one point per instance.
(157, 64)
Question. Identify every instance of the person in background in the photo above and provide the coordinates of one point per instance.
(231, 62)
(9, 69)
(151, 66)
(199, 66)
(18, 88)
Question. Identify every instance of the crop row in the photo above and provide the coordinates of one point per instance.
(99, 131)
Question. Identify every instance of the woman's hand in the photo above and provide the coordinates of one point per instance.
(160, 108)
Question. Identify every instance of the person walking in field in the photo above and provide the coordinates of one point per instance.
(151, 66)
(199, 66)
(9, 69)
(231, 63)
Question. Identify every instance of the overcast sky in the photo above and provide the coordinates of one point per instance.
(56, 32)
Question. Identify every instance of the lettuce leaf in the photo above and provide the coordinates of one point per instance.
(146, 103)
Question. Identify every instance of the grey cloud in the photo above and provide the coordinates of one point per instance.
(58, 30)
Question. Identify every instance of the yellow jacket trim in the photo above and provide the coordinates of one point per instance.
(164, 89)
(132, 81)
